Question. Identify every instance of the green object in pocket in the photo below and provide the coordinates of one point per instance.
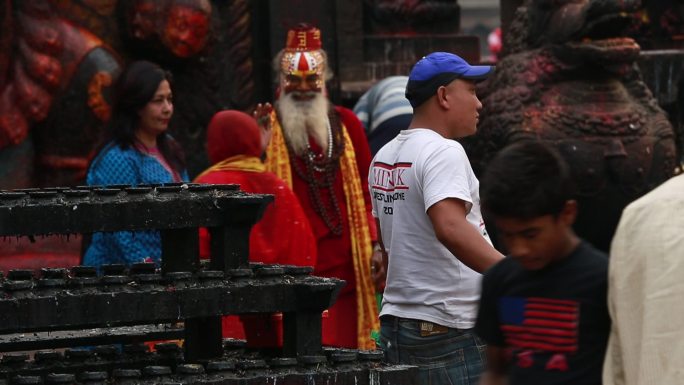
(375, 334)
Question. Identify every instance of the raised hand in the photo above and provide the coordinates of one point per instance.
(262, 114)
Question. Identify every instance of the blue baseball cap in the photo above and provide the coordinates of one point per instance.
(438, 69)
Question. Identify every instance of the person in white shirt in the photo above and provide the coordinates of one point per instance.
(426, 203)
(645, 291)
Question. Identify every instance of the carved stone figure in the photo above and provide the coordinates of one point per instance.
(412, 16)
(569, 78)
(54, 95)
(181, 26)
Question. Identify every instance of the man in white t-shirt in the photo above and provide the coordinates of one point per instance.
(426, 202)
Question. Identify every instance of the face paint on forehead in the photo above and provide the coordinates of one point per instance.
(302, 64)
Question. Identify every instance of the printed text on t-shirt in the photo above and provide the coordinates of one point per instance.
(387, 179)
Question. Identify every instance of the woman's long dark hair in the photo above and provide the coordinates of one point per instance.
(134, 89)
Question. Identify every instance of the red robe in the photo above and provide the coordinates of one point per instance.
(283, 235)
(334, 252)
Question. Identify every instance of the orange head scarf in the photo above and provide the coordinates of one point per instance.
(232, 133)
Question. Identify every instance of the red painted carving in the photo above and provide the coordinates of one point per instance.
(44, 55)
(182, 26)
(96, 100)
(187, 28)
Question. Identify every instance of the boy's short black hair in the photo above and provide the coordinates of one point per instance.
(526, 180)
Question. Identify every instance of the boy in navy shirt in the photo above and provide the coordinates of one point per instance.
(543, 311)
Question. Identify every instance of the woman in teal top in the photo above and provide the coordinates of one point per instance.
(140, 152)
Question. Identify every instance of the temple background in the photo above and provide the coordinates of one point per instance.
(230, 68)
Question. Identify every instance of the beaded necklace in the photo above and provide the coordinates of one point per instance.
(319, 174)
(313, 156)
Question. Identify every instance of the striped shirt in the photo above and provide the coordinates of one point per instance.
(383, 101)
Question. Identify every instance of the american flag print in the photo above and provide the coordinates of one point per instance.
(540, 324)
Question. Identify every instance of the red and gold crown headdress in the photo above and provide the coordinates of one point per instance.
(302, 55)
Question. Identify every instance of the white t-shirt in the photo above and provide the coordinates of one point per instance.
(425, 280)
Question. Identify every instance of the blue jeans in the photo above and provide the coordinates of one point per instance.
(456, 357)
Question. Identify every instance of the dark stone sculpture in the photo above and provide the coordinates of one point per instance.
(55, 79)
(569, 78)
(412, 16)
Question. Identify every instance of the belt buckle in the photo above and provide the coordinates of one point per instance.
(431, 329)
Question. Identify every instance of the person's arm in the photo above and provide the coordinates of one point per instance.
(379, 262)
(613, 370)
(461, 238)
(262, 114)
(496, 367)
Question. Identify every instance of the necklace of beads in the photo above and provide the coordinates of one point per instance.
(319, 173)
(312, 155)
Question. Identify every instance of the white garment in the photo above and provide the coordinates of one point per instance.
(425, 281)
(646, 291)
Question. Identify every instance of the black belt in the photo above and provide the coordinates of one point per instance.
(427, 328)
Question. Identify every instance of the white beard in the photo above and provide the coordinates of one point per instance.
(299, 119)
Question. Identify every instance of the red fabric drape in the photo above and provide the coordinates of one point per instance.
(283, 235)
